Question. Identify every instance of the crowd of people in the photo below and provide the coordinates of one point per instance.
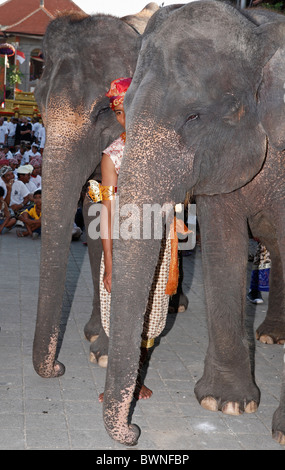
(22, 143)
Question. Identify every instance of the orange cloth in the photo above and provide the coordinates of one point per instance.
(176, 226)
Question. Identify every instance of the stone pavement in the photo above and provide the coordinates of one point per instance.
(65, 413)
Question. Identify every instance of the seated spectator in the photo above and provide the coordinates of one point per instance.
(30, 184)
(4, 162)
(32, 217)
(20, 153)
(26, 157)
(21, 197)
(6, 182)
(34, 152)
(36, 174)
(14, 164)
(7, 153)
(6, 220)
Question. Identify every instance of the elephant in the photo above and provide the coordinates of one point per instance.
(83, 54)
(205, 115)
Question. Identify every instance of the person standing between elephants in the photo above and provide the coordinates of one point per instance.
(157, 309)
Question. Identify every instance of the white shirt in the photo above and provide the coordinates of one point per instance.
(31, 187)
(3, 132)
(9, 155)
(11, 128)
(37, 181)
(42, 137)
(18, 193)
(25, 158)
(36, 129)
(32, 154)
(18, 154)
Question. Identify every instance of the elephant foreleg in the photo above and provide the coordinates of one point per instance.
(227, 383)
(278, 422)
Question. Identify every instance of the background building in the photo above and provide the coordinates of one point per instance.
(23, 24)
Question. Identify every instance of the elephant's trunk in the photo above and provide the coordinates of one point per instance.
(134, 263)
(129, 300)
(61, 189)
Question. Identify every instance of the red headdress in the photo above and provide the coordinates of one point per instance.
(118, 90)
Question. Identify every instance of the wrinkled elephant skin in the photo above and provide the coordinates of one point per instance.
(197, 119)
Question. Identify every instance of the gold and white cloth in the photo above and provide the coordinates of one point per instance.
(158, 301)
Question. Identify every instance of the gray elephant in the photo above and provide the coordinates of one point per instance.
(83, 54)
(204, 113)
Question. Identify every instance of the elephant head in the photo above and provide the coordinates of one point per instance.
(83, 54)
(193, 124)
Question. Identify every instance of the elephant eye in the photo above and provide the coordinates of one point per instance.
(192, 117)
(97, 113)
(103, 110)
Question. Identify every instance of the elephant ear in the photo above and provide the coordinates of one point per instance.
(271, 96)
(140, 20)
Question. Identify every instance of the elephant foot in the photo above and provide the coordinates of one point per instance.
(92, 328)
(227, 392)
(91, 339)
(178, 303)
(271, 332)
(102, 360)
(278, 426)
(279, 437)
(99, 350)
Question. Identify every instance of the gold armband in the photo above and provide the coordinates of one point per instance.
(97, 192)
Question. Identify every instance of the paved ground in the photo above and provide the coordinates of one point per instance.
(64, 413)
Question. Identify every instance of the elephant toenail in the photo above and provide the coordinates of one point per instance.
(231, 408)
(209, 403)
